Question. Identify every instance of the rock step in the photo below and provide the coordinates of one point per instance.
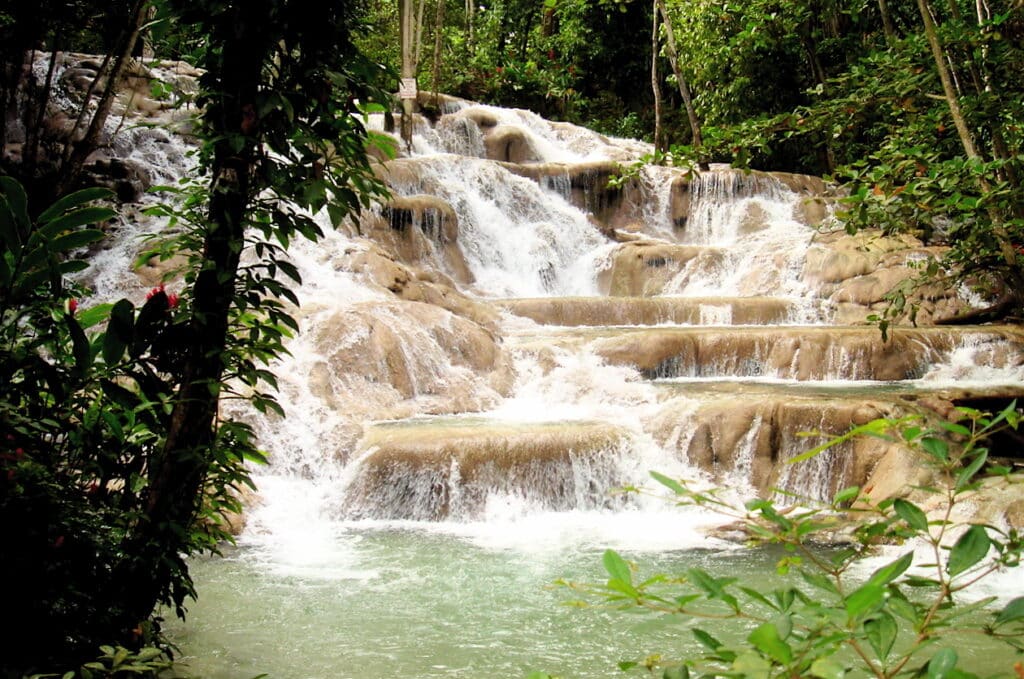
(453, 467)
(633, 311)
(794, 352)
(440, 468)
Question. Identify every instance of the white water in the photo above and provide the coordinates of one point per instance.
(311, 546)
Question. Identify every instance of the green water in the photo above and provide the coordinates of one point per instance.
(411, 603)
(422, 605)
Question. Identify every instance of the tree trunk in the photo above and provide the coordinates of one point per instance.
(81, 150)
(1005, 242)
(947, 81)
(887, 25)
(655, 86)
(32, 133)
(438, 36)
(684, 88)
(418, 50)
(178, 471)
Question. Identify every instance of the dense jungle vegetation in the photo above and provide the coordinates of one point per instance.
(115, 464)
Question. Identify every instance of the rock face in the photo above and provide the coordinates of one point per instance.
(645, 269)
(857, 272)
(750, 438)
(430, 472)
(394, 359)
(812, 353)
(622, 310)
(421, 231)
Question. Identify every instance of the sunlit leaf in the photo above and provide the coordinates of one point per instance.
(881, 633)
(617, 567)
(912, 514)
(766, 638)
(971, 548)
(942, 663)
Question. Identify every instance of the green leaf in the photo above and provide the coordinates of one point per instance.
(818, 580)
(71, 221)
(766, 639)
(73, 200)
(937, 448)
(971, 548)
(889, 572)
(1012, 611)
(120, 330)
(622, 587)
(705, 582)
(827, 668)
(846, 495)
(942, 663)
(864, 599)
(79, 345)
(75, 240)
(617, 567)
(669, 483)
(87, 318)
(10, 236)
(881, 632)
(912, 514)
(677, 672)
(968, 472)
(17, 201)
(752, 665)
(904, 609)
(757, 596)
(707, 640)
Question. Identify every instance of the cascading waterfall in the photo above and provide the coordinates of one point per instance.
(427, 426)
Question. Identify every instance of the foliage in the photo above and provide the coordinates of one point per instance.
(118, 661)
(46, 153)
(905, 619)
(82, 411)
(117, 463)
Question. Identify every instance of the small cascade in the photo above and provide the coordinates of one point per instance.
(517, 238)
(727, 204)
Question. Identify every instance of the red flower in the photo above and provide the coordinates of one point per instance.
(155, 291)
(72, 306)
(172, 300)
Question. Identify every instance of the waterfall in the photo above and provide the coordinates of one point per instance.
(418, 393)
(490, 364)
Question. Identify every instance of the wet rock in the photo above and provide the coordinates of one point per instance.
(420, 231)
(127, 178)
(643, 269)
(598, 311)
(449, 469)
(410, 284)
(385, 358)
(509, 144)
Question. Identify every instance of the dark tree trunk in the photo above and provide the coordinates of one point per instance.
(178, 472)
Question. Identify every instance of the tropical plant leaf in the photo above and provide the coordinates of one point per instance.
(970, 549)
